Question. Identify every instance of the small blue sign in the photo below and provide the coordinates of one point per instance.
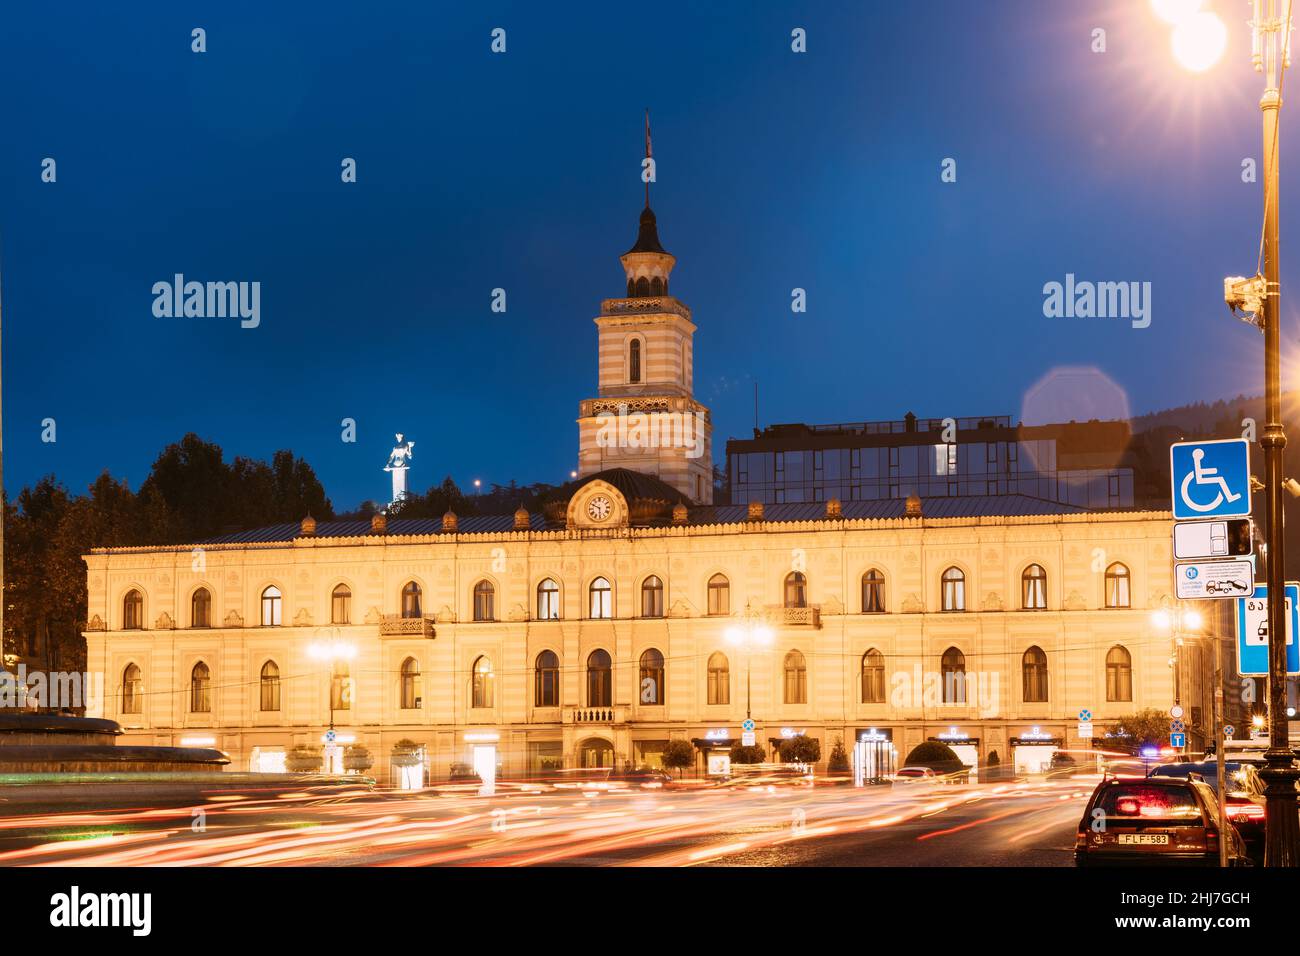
(330, 736)
(1252, 631)
(1177, 726)
(1211, 479)
(1085, 715)
(747, 726)
(1228, 731)
(1178, 741)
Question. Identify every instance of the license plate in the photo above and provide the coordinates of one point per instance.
(1144, 839)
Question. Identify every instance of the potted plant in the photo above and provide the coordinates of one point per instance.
(357, 759)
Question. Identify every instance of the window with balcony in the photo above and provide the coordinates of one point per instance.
(796, 589)
(411, 600)
(600, 687)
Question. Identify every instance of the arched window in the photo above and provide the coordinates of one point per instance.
(652, 597)
(1033, 668)
(719, 679)
(719, 595)
(873, 677)
(341, 605)
(600, 688)
(1119, 674)
(651, 686)
(548, 601)
(546, 680)
(201, 608)
(484, 601)
(634, 362)
(953, 670)
(796, 589)
(200, 689)
(796, 679)
(132, 695)
(411, 600)
(873, 592)
(133, 611)
(1117, 585)
(642, 286)
(271, 607)
(341, 687)
(483, 680)
(631, 288)
(1033, 588)
(412, 692)
(657, 286)
(602, 605)
(954, 590)
(270, 686)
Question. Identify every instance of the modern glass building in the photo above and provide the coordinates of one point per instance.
(1083, 464)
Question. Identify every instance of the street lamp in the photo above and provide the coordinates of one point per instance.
(1270, 55)
(331, 652)
(752, 630)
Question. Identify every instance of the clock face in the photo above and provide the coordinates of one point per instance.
(598, 508)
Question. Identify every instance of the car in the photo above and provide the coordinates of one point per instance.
(756, 776)
(1160, 821)
(643, 778)
(916, 775)
(1245, 796)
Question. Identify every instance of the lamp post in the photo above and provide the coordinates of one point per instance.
(332, 651)
(1198, 40)
(1270, 54)
(752, 630)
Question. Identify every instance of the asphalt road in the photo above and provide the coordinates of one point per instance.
(1027, 824)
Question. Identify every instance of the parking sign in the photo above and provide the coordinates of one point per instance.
(1211, 479)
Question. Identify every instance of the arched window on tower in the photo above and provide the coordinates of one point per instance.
(634, 362)
(657, 286)
(642, 286)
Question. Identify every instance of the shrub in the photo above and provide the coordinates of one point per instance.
(304, 758)
(357, 758)
(742, 754)
(801, 749)
(406, 753)
(838, 762)
(678, 755)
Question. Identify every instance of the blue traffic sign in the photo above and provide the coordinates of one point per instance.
(1252, 631)
(1211, 479)
(1178, 741)
(1177, 726)
(747, 726)
(1228, 731)
(1085, 715)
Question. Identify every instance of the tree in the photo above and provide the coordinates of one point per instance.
(406, 753)
(678, 755)
(801, 749)
(838, 762)
(1131, 734)
(747, 755)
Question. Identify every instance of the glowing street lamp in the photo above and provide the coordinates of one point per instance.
(752, 630)
(331, 652)
(1199, 37)
(1178, 621)
(1174, 12)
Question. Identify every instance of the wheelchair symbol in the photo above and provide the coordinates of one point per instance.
(1205, 476)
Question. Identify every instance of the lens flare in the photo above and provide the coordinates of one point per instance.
(1174, 12)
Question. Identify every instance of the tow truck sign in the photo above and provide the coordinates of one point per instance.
(1252, 631)
(1195, 580)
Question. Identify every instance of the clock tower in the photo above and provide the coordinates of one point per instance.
(645, 417)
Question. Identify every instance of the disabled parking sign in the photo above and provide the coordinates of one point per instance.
(1211, 479)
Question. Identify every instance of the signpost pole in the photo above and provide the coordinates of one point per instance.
(1220, 756)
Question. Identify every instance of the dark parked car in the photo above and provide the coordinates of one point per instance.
(1160, 821)
(1245, 797)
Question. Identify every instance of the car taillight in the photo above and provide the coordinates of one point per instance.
(1081, 839)
(1245, 811)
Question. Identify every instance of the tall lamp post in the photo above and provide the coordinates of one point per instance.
(1270, 54)
(752, 630)
(1198, 40)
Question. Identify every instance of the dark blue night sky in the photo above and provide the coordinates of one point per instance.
(776, 170)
